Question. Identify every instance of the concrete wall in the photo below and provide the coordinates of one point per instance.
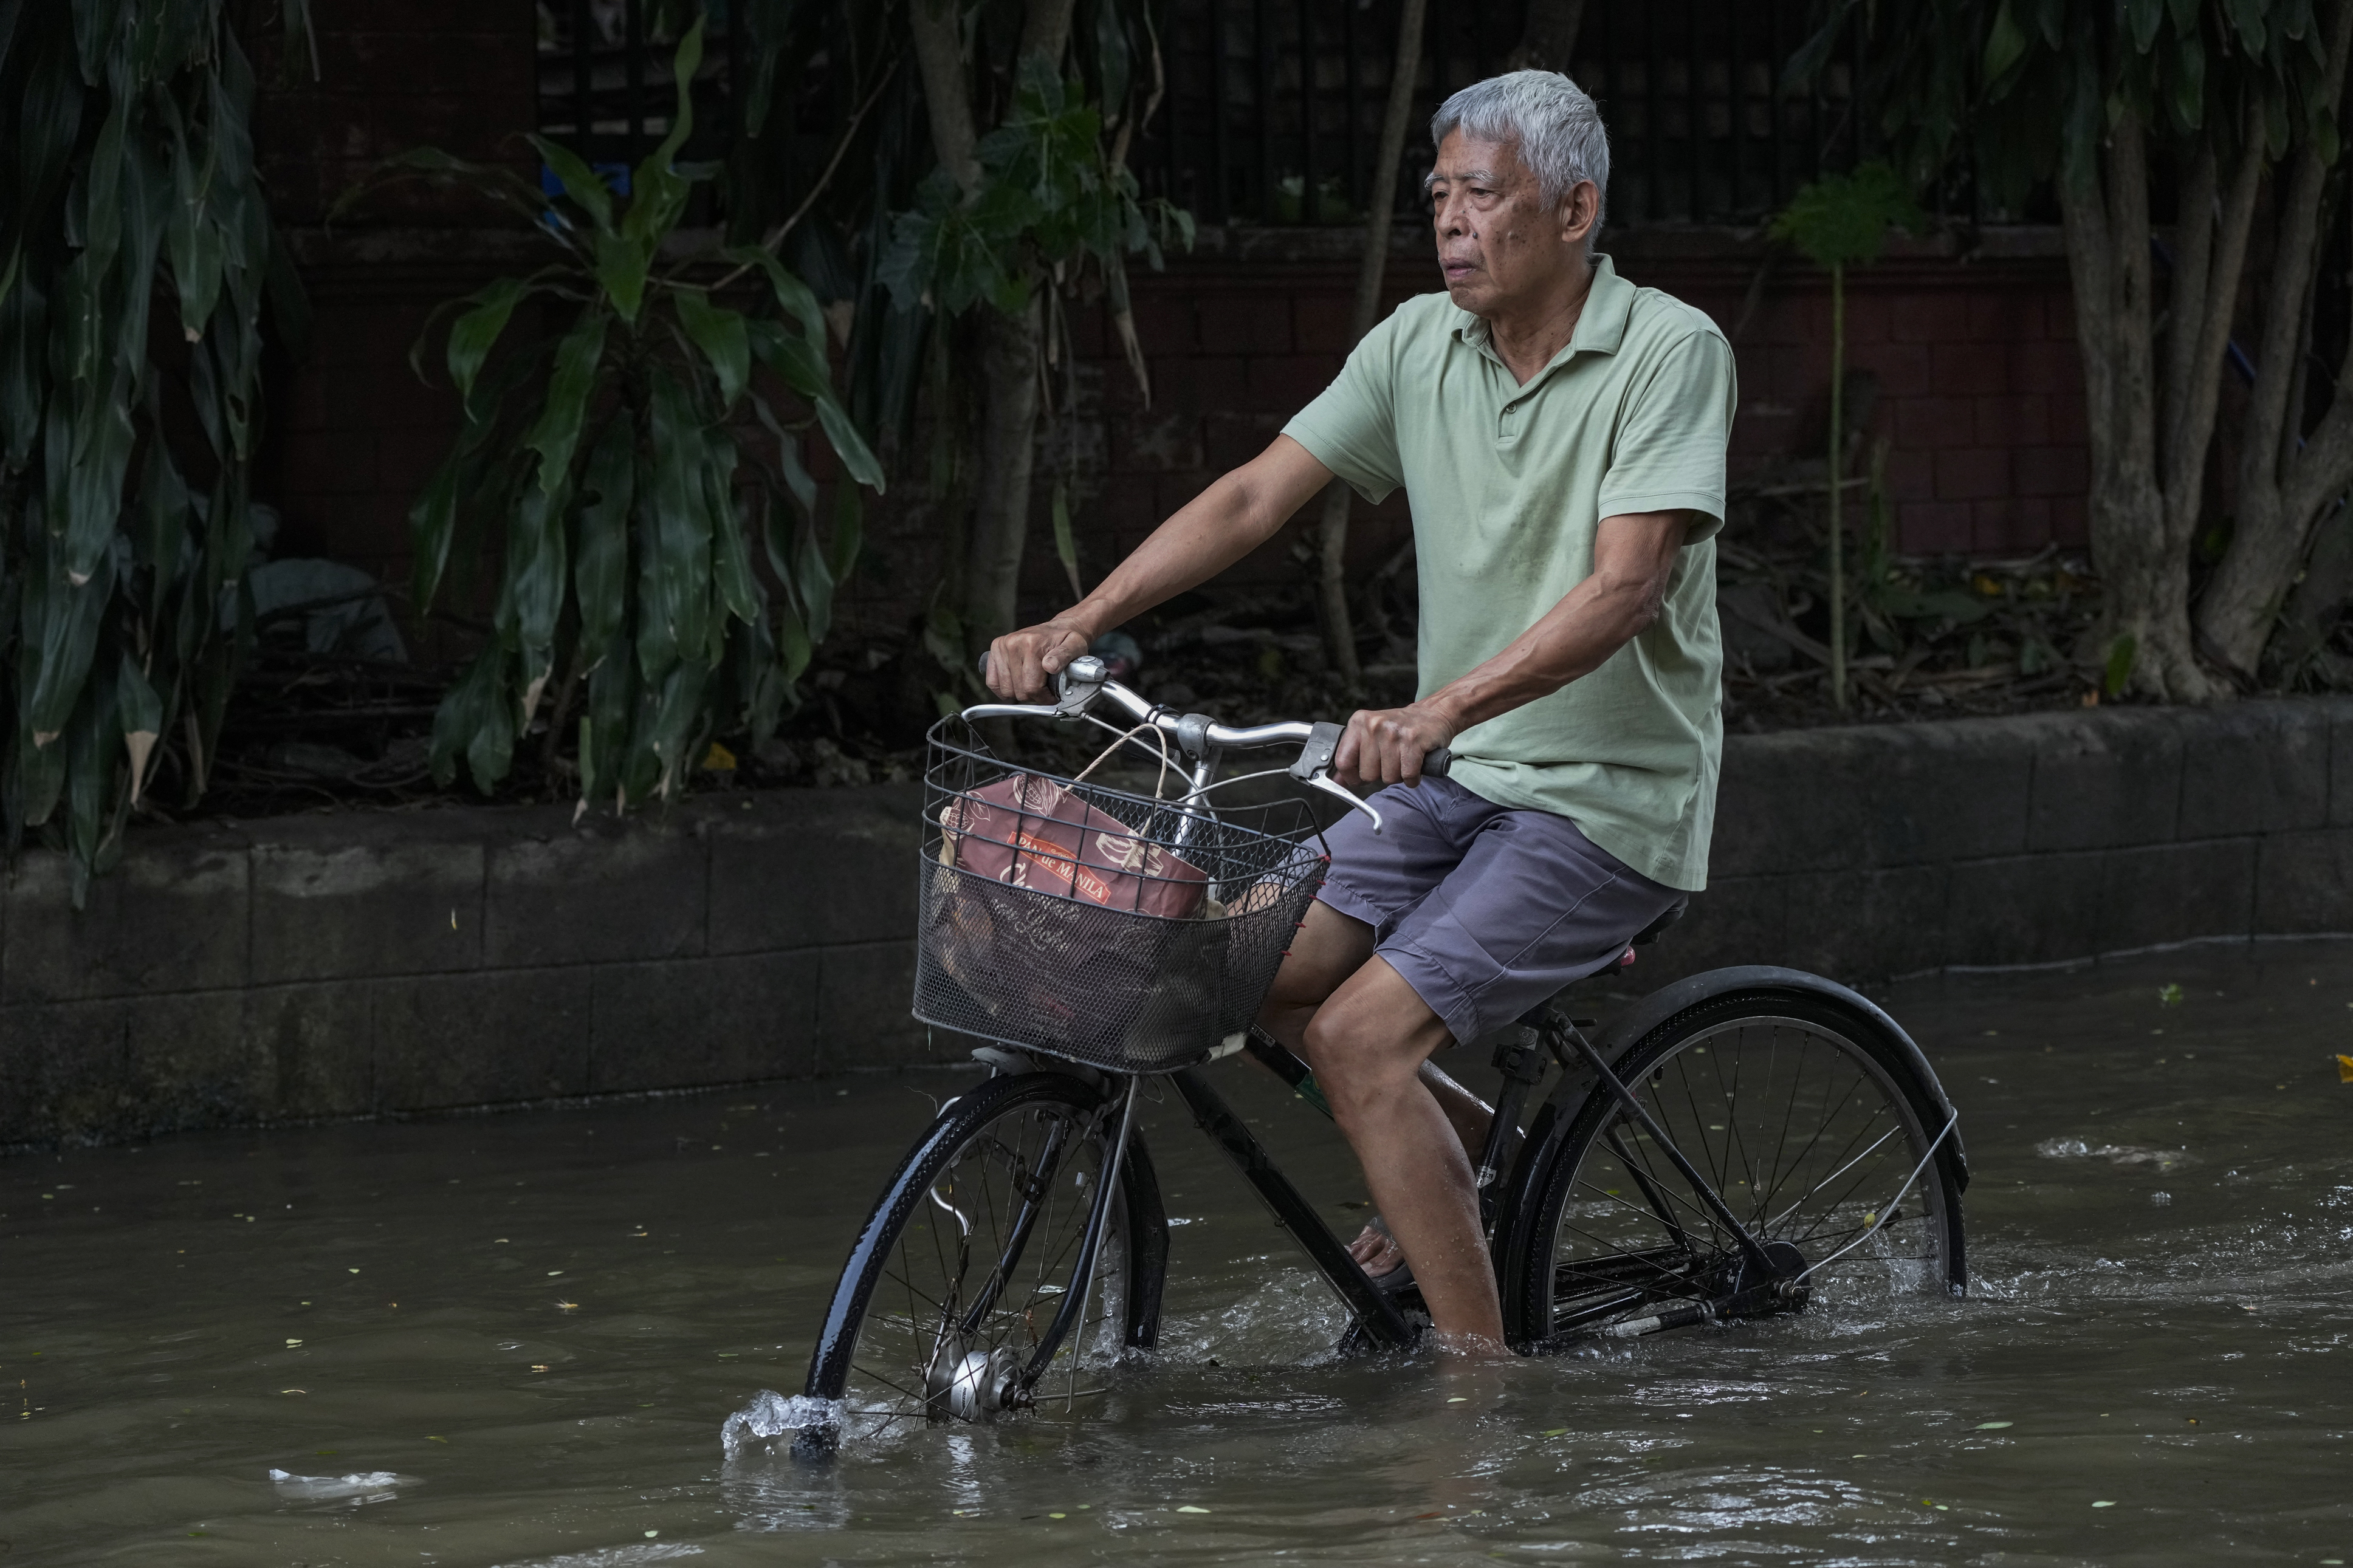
(369, 964)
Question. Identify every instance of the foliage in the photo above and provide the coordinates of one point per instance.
(598, 463)
(2031, 87)
(1050, 198)
(1839, 221)
(1842, 220)
(126, 441)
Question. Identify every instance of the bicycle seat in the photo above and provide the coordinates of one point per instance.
(1650, 933)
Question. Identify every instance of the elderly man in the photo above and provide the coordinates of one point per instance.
(1560, 434)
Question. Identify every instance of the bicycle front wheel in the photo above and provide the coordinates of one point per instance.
(1820, 1133)
(970, 1253)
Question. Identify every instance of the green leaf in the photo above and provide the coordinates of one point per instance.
(813, 582)
(849, 445)
(1842, 220)
(2144, 17)
(557, 432)
(2005, 43)
(2121, 653)
(600, 575)
(1066, 547)
(849, 532)
(476, 720)
(792, 296)
(580, 181)
(536, 569)
(473, 334)
(141, 714)
(432, 523)
(621, 263)
(719, 333)
(674, 567)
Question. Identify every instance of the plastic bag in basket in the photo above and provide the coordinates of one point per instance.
(1073, 970)
(1031, 832)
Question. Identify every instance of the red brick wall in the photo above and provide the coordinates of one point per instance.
(1979, 388)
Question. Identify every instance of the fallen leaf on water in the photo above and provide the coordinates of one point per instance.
(537, 1368)
(567, 1306)
(1189, 1508)
(2343, 1068)
(1991, 1426)
(1555, 1431)
(2168, 996)
(433, 1439)
(293, 1391)
(291, 1344)
(2109, 1502)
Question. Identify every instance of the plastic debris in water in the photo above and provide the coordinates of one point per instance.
(2160, 1199)
(368, 1485)
(770, 1415)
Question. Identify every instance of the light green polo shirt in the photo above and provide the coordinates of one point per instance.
(1508, 484)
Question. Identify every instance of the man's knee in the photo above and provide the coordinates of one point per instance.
(1368, 1040)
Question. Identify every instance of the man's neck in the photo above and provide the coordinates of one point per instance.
(1526, 337)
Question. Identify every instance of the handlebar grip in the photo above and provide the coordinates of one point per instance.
(1438, 764)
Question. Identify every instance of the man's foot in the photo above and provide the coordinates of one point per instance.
(1378, 1255)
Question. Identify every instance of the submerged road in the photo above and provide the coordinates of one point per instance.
(515, 1340)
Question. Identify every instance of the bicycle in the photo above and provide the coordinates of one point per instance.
(1727, 1147)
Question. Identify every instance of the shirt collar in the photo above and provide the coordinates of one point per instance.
(1601, 326)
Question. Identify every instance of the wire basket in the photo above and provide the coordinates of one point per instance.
(1127, 932)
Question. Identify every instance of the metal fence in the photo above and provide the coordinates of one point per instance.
(1273, 108)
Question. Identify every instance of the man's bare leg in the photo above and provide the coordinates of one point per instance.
(1366, 1035)
(1329, 948)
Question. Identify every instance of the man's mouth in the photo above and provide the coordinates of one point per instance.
(1457, 270)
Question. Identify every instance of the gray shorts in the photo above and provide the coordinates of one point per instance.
(1485, 911)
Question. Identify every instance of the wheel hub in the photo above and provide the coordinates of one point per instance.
(973, 1385)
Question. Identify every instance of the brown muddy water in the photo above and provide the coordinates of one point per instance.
(516, 1340)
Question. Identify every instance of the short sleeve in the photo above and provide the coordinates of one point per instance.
(1668, 451)
(1351, 427)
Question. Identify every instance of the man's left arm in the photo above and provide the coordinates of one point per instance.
(1634, 556)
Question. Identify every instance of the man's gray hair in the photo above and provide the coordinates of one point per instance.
(1552, 122)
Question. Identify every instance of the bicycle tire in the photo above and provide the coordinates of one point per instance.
(861, 1364)
(1607, 1243)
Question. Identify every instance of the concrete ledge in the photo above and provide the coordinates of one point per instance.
(374, 963)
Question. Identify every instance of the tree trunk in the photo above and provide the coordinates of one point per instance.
(2285, 482)
(1001, 512)
(999, 528)
(1332, 532)
(2140, 542)
(1549, 38)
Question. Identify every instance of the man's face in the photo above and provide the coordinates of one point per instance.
(1499, 244)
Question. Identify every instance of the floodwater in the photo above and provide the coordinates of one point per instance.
(516, 1339)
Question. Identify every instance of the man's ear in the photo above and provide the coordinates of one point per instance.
(1579, 210)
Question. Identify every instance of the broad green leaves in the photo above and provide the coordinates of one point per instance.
(127, 186)
(1840, 220)
(599, 472)
(1049, 193)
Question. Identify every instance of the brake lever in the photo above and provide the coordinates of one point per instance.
(1330, 785)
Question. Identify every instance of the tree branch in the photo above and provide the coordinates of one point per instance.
(939, 55)
(2190, 438)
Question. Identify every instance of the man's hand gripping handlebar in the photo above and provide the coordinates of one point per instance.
(1083, 682)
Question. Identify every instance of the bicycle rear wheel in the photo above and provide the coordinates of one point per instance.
(970, 1252)
(1818, 1131)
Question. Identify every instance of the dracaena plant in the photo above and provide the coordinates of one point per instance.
(599, 466)
(127, 194)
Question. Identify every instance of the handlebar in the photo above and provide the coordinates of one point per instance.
(1085, 681)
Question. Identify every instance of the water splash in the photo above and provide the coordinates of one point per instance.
(615, 1556)
(367, 1485)
(769, 1416)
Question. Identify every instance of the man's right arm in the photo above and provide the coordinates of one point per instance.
(1239, 512)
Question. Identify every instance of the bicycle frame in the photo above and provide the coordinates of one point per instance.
(1765, 1282)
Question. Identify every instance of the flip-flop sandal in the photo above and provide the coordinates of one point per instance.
(1397, 1276)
